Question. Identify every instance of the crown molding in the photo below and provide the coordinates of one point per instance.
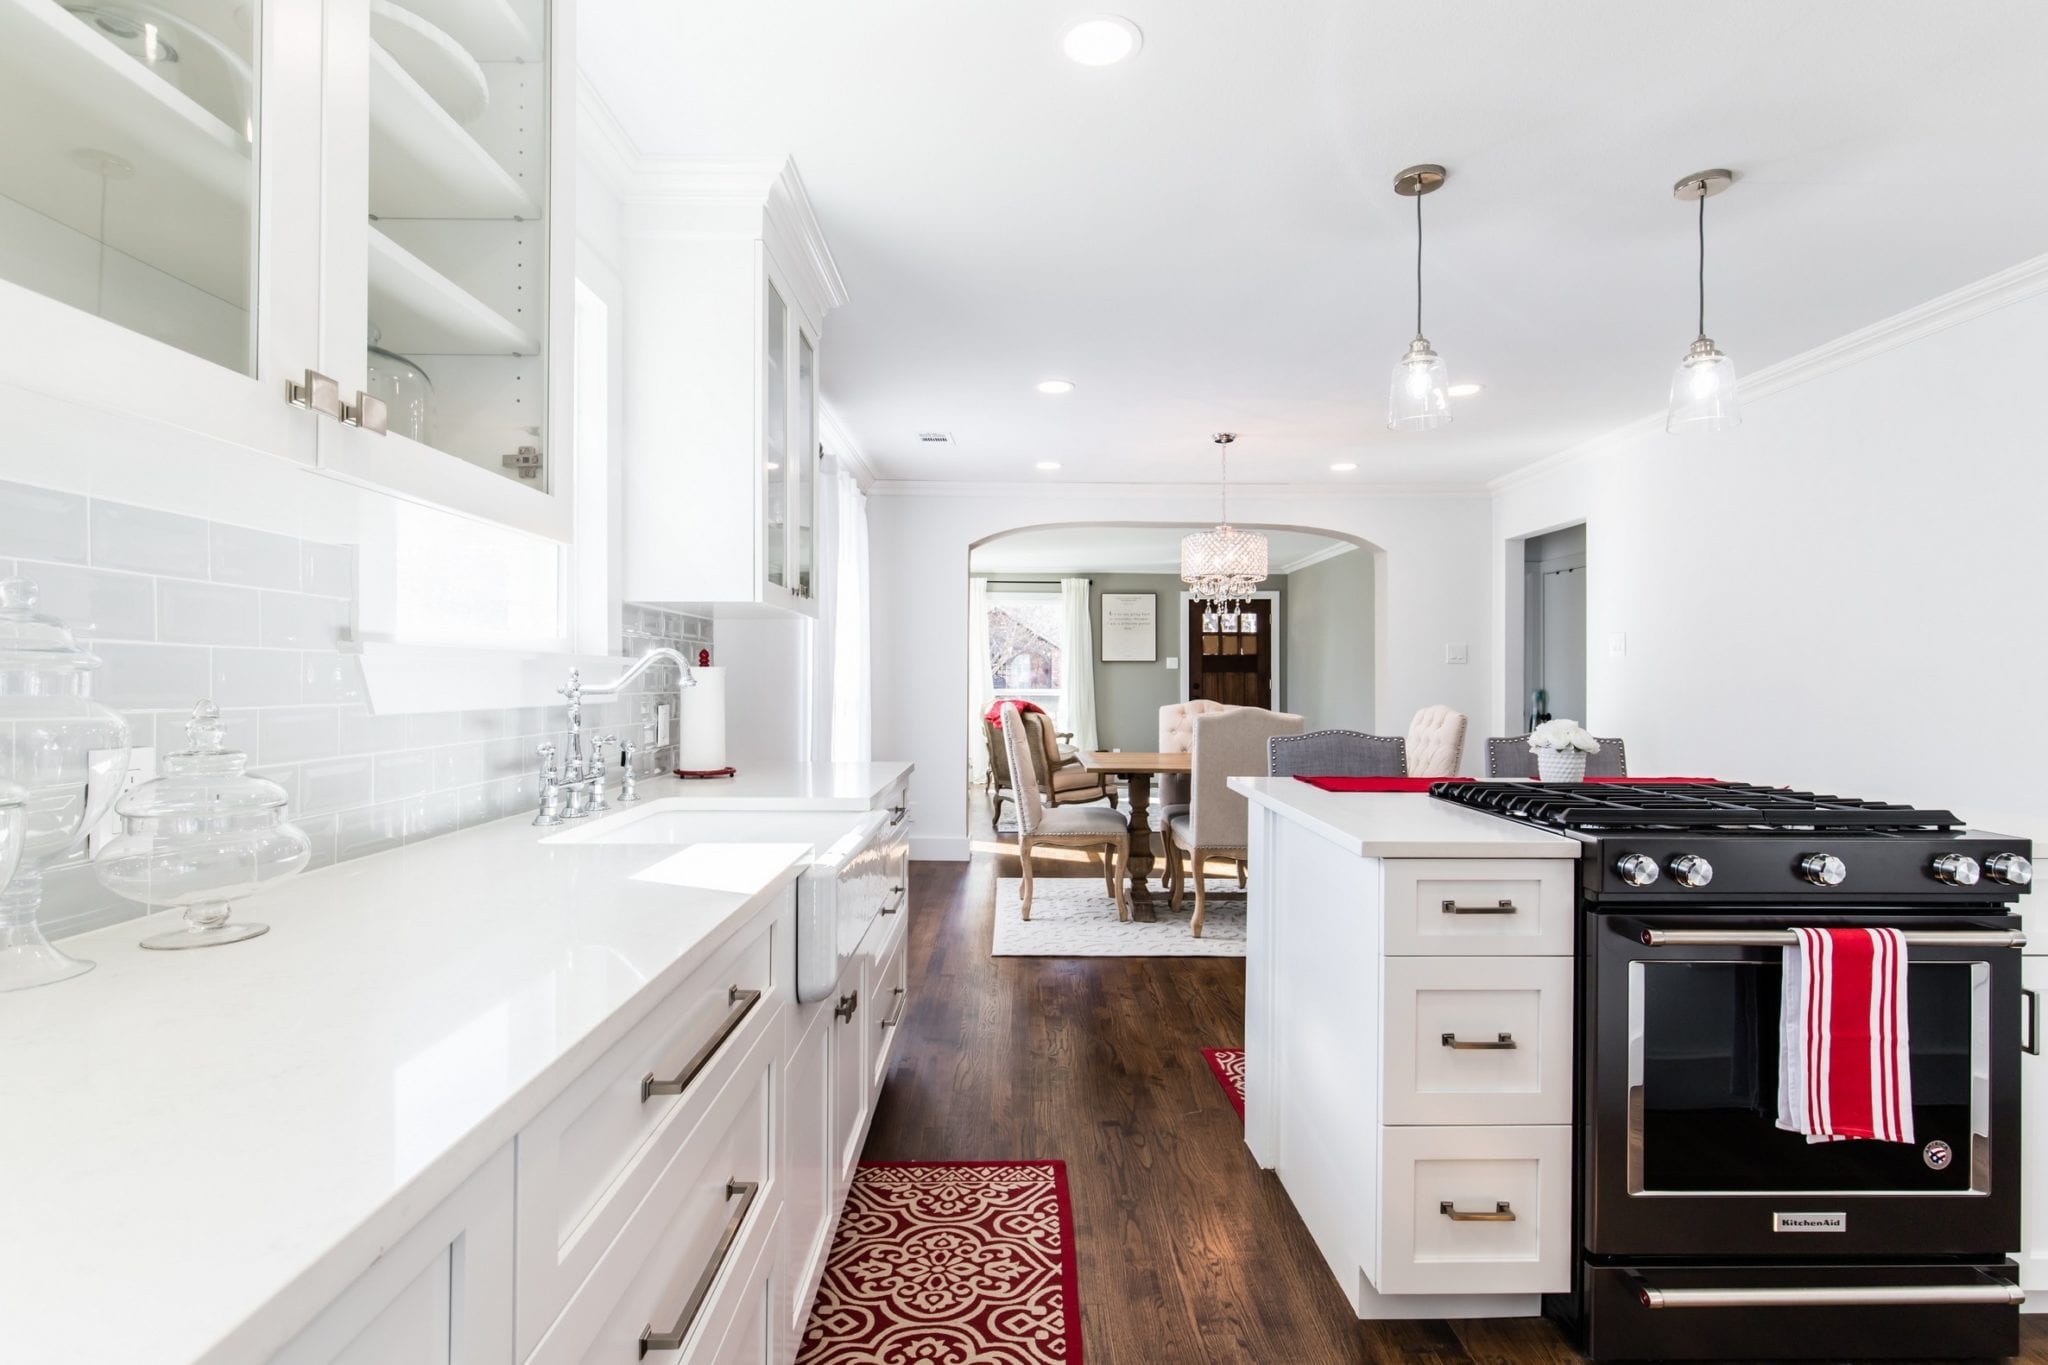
(1938, 314)
(1161, 492)
(602, 142)
(1328, 552)
(840, 442)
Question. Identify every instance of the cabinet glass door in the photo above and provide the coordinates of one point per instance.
(128, 167)
(775, 447)
(458, 230)
(803, 476)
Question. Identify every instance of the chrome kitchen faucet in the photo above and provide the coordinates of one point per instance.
(576, 789)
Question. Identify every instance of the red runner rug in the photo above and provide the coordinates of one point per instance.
(1228, 1064)
(950, 1261)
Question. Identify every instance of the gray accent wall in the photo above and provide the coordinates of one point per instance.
(1329, 642)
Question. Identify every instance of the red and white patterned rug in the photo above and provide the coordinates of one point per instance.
(950, 1263)
(1228, 1064)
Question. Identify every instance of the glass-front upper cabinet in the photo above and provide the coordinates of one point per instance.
(803, 468)
(461, 280)
(154, 174)
(775, 449)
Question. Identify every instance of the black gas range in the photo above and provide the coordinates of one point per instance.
(1704, 1230)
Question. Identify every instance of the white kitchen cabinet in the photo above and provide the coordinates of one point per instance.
(195, 214)
(442, 1295)
(731, 281)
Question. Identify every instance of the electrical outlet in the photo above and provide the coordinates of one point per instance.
(1457, 654)
(664, 716)
(141, 768)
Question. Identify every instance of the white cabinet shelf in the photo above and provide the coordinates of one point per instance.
(423, 164)
(491, 30)
(420, 311)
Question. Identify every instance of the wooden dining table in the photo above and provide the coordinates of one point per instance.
(1137, 770)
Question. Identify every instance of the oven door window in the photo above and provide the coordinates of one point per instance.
(1703, 1085)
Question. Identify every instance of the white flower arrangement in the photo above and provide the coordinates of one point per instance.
(1560, 735)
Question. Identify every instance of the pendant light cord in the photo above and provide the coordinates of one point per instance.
(1418, 262)
(1703, 261)
(1223, 490)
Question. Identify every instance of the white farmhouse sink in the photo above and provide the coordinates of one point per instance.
(678, 828)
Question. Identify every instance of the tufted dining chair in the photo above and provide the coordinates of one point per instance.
(1436, 742)
(1062, 826)
(1216, 824)
(1070, 783)
(1337, 753)
(1509, 756)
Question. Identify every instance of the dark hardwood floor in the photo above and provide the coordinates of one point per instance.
(1188, 1252)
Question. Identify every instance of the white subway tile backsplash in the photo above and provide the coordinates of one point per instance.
(146, 540)
(327, 569)
(331, 678)
(370, 829)
(205, 613)
(95, 602)
(294, 734)
(429, 730)
(151, 677)
(321, 830)
(333, 784)
(407, 773)
(458, 765)
(288, 778)
(363, 733)
(42, 523)
(293, 620)
(256, 677)
(258, 558)
(429, 815)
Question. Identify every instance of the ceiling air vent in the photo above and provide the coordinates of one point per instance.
(935, 438)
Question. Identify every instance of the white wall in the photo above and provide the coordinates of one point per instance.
(1431, 589)
(1843, 593)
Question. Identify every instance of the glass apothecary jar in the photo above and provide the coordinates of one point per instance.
(67, 753)
(205, 833)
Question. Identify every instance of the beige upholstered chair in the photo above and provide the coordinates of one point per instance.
(1227, 744)
(999, 785)
(1069, 783)
(1177, 736)
(1070, 827)
(1436, 742)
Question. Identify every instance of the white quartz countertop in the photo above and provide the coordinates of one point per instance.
(788, 786)
(1401, 824)
(201, 1149)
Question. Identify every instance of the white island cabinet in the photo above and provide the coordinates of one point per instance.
(1408, 1040)
(203, 212)
(498, 1098)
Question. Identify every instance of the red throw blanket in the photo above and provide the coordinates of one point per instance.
(1376, 784)
(994, 714)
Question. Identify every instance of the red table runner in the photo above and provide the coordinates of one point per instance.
(1423, 784)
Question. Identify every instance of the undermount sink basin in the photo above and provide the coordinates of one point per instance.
(673, 828)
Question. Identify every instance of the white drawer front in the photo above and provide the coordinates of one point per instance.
(891, 985)
(1478, 1040)
(1456, 907)
(677, 1265)
(1431, 1176)
(589, 1158)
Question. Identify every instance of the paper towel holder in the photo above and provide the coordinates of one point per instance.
(707, 772)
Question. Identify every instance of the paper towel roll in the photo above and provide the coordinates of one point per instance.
(700, 725)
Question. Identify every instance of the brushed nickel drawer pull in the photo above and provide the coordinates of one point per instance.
(672, 1339)
(742, 1003)
(1502, 1043)
(847, 1006)
(897, 813)
(1502, 1213)
(902, 1004)
(1505, 907)
(902, 894)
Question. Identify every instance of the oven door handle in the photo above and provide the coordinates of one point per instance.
(1984, 1290)
(1785, 938)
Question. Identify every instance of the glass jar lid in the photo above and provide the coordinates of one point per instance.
(29, 641)
(207, 779)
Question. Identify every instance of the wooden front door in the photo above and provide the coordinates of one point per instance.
(1232, 654)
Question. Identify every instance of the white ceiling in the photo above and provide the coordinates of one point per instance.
(1127, 549)
(1204, 238)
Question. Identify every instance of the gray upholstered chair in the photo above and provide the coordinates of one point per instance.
(1509, 756)
(1337, 753)
(1065, 782)
(1062, 827)
(1227, 744)
(1436, 742)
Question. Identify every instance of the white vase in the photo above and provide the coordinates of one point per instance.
(1561, 765)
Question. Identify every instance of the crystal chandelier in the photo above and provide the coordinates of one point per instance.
(1224, 566)
(1703, 386)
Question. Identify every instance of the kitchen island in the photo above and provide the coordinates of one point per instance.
(306, 1147)
(1408, 1039)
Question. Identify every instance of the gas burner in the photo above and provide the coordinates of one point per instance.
(1695, 807)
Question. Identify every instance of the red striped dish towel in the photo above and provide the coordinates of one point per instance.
(1844, 1055)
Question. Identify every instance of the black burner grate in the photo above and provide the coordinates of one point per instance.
(1732, 806)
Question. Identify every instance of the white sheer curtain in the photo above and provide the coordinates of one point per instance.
(852, 710)
(1077, 663)
(980, 688)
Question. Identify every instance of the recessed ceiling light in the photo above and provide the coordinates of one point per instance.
(1463, 390)
(1048, 465)
(1055, 386)
(1342, 467)
(1101, 40)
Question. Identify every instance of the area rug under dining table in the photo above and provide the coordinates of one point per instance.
(1074, 917)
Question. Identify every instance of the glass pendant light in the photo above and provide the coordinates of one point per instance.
(1419, 397)
(1225, 566)
(1703, 387)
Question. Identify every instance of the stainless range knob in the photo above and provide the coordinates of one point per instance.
(1957, 869)
(1690, 869)
(1637, 869)
(1823, 869)
(2009, 868)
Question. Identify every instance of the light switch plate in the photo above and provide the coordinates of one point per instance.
(1617, 645)
(141, 768)
(664, 716)
(1173, 664)
(1456, 654)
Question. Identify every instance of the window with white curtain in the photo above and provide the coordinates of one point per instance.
(1025, 653)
